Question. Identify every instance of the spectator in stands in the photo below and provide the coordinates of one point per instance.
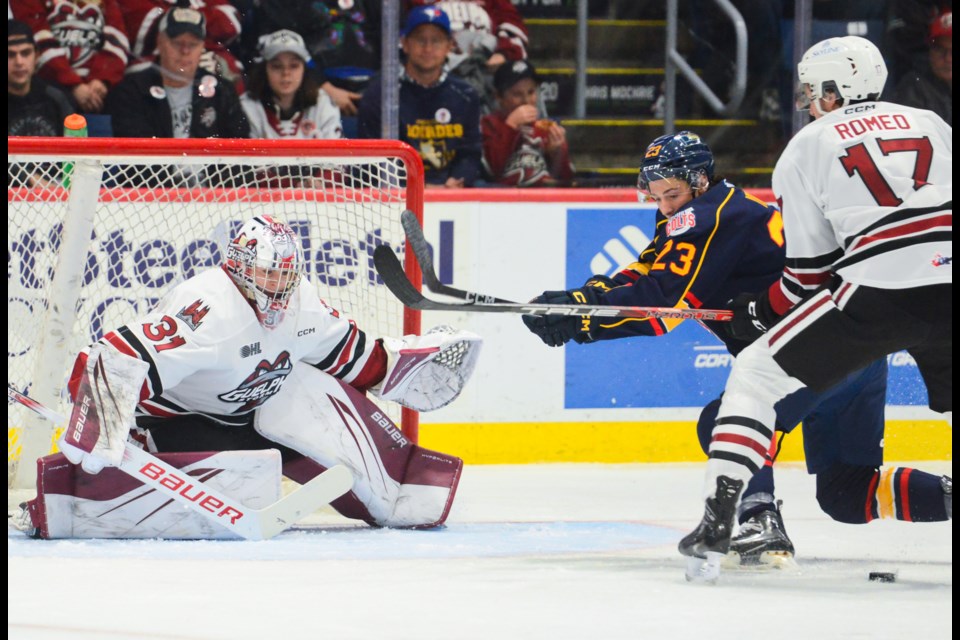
(905, 39)
(82, 46)
(282, 100)
(439, 114)
(486, 34)
(142, 19)
(342, 37)
(932, 87)
(521, 148)
(177, 98)
(34, 108)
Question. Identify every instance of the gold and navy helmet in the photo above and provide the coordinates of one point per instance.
(682, 155)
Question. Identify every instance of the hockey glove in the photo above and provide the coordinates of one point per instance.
(557, 330)
(752, 316)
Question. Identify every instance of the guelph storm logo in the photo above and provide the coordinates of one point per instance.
(265, 381)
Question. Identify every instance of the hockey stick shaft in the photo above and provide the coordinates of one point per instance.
(421, 251)
(252, 524)
(391, 271)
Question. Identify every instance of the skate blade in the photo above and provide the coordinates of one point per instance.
(704, 570)
(767, 561)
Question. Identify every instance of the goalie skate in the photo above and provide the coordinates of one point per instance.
(706, 545)
(762, 543)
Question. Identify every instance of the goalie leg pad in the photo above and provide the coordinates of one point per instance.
(396, 483)
(429, 371)
(112, 504)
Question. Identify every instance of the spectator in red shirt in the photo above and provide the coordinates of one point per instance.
(81, 45)
(521, 149)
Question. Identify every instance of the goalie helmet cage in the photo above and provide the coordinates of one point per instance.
(99, 229)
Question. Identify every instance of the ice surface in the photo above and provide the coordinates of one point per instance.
(532, 551)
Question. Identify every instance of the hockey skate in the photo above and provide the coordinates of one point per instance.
(709, 543)
(762, 542)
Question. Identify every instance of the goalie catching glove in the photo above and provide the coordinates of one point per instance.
(429, 371)
(106, 388)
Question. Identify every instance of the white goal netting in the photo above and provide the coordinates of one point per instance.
(99, 229)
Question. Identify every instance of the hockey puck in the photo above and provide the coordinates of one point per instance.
(882, 576)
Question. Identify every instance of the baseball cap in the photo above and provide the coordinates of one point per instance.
(942, 25)
(181, 20)
(284, 40)
(426, 15)
(19, 33)
(510, 73)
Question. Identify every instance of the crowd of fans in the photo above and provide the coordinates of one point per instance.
(309, 69)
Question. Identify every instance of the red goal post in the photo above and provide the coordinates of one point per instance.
(98, 229)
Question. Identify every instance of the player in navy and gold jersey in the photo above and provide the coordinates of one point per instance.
(713, 241)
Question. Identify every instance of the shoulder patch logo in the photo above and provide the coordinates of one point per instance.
(681, 222)
(192, 315)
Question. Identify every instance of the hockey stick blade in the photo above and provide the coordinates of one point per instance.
(421, 251)
(252, 524)
(391, 271)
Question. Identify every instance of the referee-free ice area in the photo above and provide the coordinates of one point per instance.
(533, 551)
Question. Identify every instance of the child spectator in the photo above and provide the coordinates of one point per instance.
(282, 100)
(142, 18)
(521, 149)
(82, 46)
(932, 86)
(439, 114)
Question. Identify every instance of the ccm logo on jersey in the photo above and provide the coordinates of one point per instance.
(306, 332)
(184, 486)
(681, 221)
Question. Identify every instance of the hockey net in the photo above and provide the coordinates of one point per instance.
(99, 229)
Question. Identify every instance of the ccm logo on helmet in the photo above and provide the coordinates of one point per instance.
(183, 487)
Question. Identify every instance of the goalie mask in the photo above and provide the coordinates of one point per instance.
(265, 261)
(682, 155)
(850, 67)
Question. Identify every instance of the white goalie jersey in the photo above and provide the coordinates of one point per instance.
(866, 191)
(209, 354)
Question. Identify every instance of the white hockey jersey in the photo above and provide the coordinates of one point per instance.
(209, 354)
(866, 191)
(319, 122)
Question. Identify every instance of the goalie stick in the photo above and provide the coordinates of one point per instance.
(391, 271)
(252, 524)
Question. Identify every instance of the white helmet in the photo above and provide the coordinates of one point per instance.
(265, 261)
(850, 67)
